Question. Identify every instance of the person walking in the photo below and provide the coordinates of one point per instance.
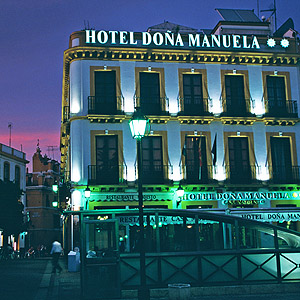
(56, 252)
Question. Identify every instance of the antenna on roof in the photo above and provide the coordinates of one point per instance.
(51, 149)
(87, 25)
(10, 126)
(273, 10)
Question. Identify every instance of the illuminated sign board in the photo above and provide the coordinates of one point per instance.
(271, 216)
(226, 197)
(233, 196)
(176, 40)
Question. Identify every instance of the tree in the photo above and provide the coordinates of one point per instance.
(11, 209)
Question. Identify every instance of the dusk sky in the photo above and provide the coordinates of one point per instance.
(35, 33)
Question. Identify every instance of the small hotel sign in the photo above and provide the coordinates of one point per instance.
(172, 39)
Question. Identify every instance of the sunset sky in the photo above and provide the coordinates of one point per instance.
(35, 33)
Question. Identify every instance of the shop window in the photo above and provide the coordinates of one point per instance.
(150, 93)
(105, 99)
(6, 171)
(254, 237)
(17, 176)
(235, 102)
(152, 160)
(193, 102)
(239, 164)
(196, 160)
(282, 170)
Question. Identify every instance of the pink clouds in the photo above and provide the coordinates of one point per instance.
(29, 142)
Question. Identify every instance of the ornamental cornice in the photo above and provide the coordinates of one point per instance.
(177, 55)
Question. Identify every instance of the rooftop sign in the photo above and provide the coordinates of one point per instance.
(176, 40)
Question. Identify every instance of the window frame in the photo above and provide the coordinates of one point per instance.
(94, 69)
(203, 73)
(6, 170)
(247, 95)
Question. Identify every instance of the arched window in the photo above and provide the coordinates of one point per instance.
(6, 172)
(17, 176)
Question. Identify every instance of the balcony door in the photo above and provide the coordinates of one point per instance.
(152, 159)
(235, 95)
(193, 94)
(239, 164)
(105, 92)
(276, 95)
(281, 160)
(107, 169)
(196, 160)
(150, 93)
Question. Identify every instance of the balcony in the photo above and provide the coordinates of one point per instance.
(105, 106)
(106, 174)
(66, 114)
(281, 108)
(153, 106)
(241, 174)
(236, 108)
(200, 107)
(198, 175)
(156, 174)
(284, 174)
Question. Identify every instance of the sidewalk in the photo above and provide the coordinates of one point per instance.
(66, 285)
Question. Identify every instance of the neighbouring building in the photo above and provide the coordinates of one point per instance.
(13, 168)
(42, 202)
(224, 111)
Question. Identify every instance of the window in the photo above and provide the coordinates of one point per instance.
(152, 159)
(150, 93)
(282, 171)
(193, 94)
(6, 172)
(235, 102)
(196, 160)
(106, 170)
(17, 176)
(277, 93)
(105, 99)
(239, 164)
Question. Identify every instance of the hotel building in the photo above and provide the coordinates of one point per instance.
(223, 106)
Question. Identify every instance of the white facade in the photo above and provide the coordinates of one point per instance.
(78, 131)
(14, 159)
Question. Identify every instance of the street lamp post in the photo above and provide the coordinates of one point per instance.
(138, 124)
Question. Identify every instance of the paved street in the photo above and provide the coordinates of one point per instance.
(32, 279)
(20, 279)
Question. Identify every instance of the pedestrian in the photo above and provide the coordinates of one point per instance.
(56, 252)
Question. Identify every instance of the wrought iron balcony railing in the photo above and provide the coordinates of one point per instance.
(241, 174)
(155, 174)
(105, 106)
(197, 174)
(230, 108)
(152, 106)
(284, 174)
(281, 108)
(195, 106)
(66, 114)
(107, 174)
